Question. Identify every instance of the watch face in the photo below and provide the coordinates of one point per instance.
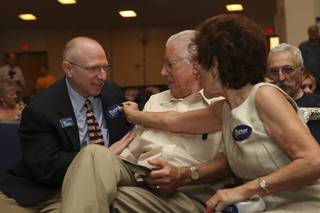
(194, 173)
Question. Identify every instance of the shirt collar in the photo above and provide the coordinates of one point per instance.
(76, 99)
(196, 96)
(192, 96)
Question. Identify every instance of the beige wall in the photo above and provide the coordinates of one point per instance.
(11, 40)
(135, 53)
(293, 18)
(56, 39)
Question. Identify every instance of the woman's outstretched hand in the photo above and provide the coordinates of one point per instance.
(130, 108)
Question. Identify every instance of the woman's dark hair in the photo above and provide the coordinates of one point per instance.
(237, 44)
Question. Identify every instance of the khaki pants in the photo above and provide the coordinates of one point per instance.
(9, 205)
(97, 181)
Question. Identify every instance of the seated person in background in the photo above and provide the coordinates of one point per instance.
(79, 109)
(131, 93)
(134, 94)
(145, 95)
(152, 90)
(45, 80)
(265, 142)
(10, 110)
(308, 82)
(98, 180)
(286, 68)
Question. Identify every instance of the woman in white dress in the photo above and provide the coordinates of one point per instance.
(266, 144)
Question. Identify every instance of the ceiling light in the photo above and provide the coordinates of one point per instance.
(28, 17)
(67, 1)
(127, 13)
(234, 7)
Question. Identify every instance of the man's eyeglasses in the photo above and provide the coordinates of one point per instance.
(106, 68)
(169, 63)
(286, 69)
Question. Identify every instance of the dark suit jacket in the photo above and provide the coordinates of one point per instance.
(48, 148)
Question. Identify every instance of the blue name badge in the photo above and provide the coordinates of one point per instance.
(66, 122)
(241, 132)
(113, 111)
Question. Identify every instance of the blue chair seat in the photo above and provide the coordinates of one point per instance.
(10, 149)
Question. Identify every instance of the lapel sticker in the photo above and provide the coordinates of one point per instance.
(241, 132)
(114, 111)
(66, 122)
(231, 209)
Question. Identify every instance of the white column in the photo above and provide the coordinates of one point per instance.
(293, 18)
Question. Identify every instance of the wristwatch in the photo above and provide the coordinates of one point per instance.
(264, 185)
(194, 173)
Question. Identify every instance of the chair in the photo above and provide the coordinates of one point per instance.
(10, 151)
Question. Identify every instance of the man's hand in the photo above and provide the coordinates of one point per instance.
(121, 144)
(165, 177)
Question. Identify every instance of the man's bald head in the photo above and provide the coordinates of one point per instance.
(76, 46)
(84, 63)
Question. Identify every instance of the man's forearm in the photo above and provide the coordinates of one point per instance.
(209, 172)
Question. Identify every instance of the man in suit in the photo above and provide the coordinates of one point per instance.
(54, 128)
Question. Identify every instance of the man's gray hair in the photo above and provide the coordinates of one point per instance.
(183, 40)
(296, 53)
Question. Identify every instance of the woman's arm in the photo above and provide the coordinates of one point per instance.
(286, 130)
(206, 120)
(284, 127)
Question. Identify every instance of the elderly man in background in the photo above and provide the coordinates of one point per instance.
(98, 180)
(77, 110)
(286, 68)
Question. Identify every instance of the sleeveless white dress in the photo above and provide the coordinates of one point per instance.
(252, 154)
